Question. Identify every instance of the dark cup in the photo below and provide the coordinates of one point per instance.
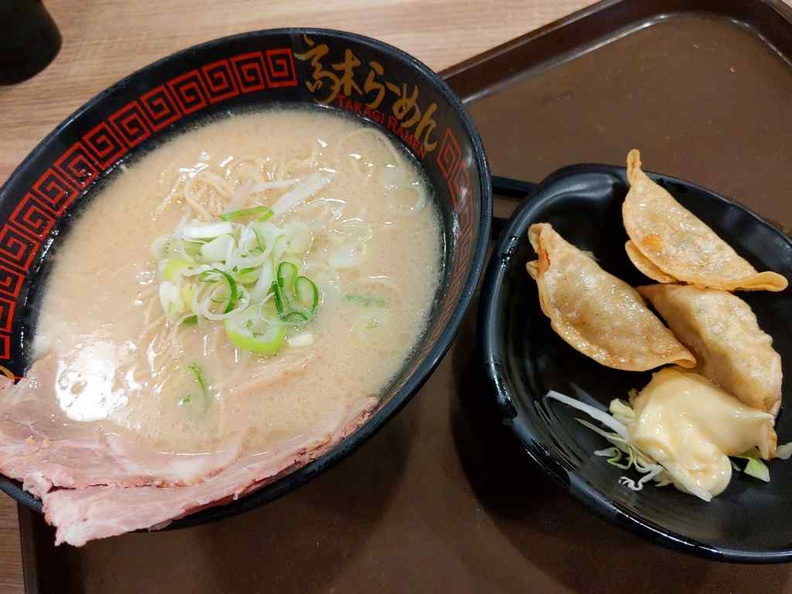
(29, 40)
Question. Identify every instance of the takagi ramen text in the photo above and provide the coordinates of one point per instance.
(339, 84)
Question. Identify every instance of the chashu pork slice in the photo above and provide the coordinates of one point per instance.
(41, 447)
(81, 515)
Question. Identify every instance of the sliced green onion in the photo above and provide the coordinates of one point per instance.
(287, 275)
(197, 372)
(187, 293)
(233, 291)
(264, 282)
(280, 302)
(199, 377)
(173, 268)
(206, 230)
(301, 340)
(248, 275)
(161, 247)
(307, 293)
(170, 299)
(364, 300)
(260, 242)
(296, 297)
(262, 336)
(192, 248)
(295, 317)
(365, 324)
(242, 270)
(262, 213)
(218, 249)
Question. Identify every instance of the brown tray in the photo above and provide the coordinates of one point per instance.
(702, 87)
(441, 500)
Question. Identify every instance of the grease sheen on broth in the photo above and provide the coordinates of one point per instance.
(101, 301)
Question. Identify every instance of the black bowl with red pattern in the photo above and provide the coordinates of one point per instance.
(343, 71)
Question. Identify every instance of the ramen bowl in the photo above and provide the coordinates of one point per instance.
(339, 71)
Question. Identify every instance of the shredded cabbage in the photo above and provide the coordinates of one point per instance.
(784, 452)
(755, 466)
(626, 456)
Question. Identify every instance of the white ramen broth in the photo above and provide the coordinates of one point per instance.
(369, 239)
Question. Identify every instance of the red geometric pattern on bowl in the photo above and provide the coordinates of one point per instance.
(159, 108)
(105, 145)
(220, 82)
(7, 308)
(280, 68)
(189, 91)
(449, 156)
(54, 190)
(5, 346)
(457, 176)
(33, 216)
(10, 281)
(16, 248)
(250, 71)
(79, 166)
(130, 124)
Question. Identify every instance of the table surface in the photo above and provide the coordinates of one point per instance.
(105, 40)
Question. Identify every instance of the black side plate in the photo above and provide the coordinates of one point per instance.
(751, 521)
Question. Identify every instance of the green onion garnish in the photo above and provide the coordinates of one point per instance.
(261, 336)
(364, 300)
(233, 292)
(173, 267)
(245, 274)
(295, 317)
(287, 276)
(307, 293)
(296, 297)
(199, 377)
(261, 213)
(198, 374)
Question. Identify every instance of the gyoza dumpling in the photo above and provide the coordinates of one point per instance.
(596, 313)
(679, 244)
(691, 427)
(722, 332)
(645, 265)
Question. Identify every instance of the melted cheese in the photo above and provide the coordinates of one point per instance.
(691, 427)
